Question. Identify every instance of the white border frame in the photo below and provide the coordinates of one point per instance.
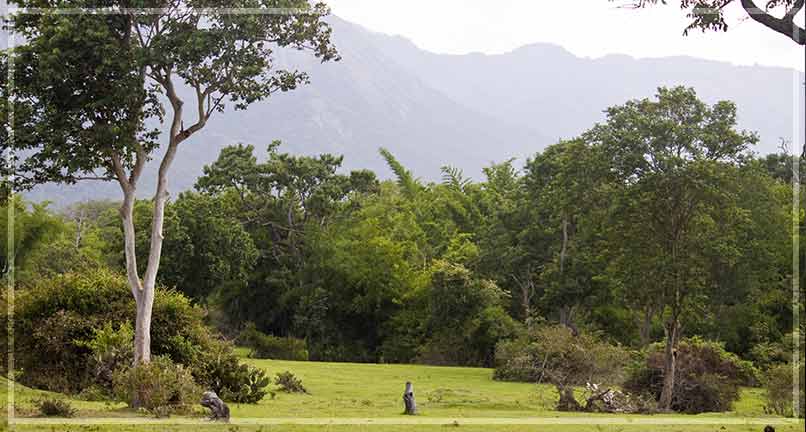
(10, 279)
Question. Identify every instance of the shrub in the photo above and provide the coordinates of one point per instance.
(778, 385)
(219, 370)
(289, 383)
(161, 387)
(50, 407)
(111, 350)
(517, 360)
(554, 354)
(273, 347)
(75, 320)
(707, 378)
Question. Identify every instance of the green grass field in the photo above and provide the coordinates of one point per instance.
(368, 397)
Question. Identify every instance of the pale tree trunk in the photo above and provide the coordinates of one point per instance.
(142, 329)
(564, 249)
(566, 312)
(143, 290)
(145, 298)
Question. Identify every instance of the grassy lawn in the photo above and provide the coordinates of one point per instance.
(371, 393)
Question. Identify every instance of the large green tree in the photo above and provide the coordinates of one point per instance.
(564, 187)
(283, 203)
(86, 84)
(673, 158)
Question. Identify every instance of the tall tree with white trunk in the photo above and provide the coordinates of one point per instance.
(90, 75)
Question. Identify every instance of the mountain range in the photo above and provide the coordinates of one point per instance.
(465, 111)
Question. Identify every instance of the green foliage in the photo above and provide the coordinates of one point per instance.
(217, 368)
(554, 354)
(206, 250)
(161, 387)
(75, 329)
(111, 350)
(571, 360)
(273, 347)
(517, 360)
(284, 203)
(707, 377)
(50, 407)
(405, 180)
(54, 322)
(289, 383)
(465, 318)
(657, 219)
(778, 384)
(85, 85)
(37, 232)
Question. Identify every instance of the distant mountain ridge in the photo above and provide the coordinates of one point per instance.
(462, 110)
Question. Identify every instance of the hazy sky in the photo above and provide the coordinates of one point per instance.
(588, 28)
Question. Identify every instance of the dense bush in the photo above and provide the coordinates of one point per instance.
(778, 386)
(161, 387)
(265, 346)
(289, 383)
(56, 320)
(76, 327)
(707, 377)
(220, 371)
(50, 407)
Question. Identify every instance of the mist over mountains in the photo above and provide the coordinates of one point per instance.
(463, 110)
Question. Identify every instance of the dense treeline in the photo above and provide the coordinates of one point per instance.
(655, 225)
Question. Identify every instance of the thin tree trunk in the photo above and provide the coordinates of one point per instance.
(567, 319)
(145, 298)
(142, 344)
(143, 291)
(564, 249)
(645, 328)
(672, 330)
(669, 363)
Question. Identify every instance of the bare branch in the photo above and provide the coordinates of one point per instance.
(100, 178)
(785, 26)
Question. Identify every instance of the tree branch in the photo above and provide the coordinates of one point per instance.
(785, 26)
(138, 164)
(120, 173)
(101, 178)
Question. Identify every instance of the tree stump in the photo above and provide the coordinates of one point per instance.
(219, 411)
(408, 400)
